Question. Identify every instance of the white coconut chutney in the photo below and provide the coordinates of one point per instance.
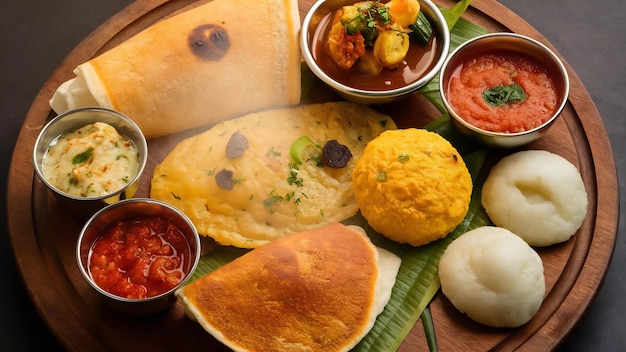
(91, 161)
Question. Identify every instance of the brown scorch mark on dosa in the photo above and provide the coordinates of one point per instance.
(209, 42)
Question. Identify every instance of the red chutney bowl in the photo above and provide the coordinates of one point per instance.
(135, 253)
(504, 90)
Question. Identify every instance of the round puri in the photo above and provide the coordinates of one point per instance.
(493, 276)
(412, 185)
(538, 195)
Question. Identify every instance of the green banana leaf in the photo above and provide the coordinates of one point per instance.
(417, 281)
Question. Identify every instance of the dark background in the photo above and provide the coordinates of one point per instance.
(36, 35)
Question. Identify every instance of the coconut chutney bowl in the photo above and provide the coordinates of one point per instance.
(372, 79)
(136, 253)
(503, 90)
(89, 158)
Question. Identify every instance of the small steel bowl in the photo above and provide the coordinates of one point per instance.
(131, 209)
(84, 207)
(516, 44)
(371, 97)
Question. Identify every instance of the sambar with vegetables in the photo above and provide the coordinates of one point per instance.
(372, 45)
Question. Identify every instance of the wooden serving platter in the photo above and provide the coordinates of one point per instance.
(44, 238)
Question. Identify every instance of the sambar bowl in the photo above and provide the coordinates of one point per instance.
(374, 91)
(89, 161)
(485, 88)
(136, 253)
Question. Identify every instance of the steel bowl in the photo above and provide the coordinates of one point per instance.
(323, 8)
(84, 207)
(131, 209)
(513, 43)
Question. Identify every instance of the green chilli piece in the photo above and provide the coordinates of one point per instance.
(304, 149)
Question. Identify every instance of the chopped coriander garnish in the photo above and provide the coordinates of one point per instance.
(317, 160)
(293, 178)
(365, 20)
(383, 14)
(503, 95)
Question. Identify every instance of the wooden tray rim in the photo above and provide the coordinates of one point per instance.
(51, 308)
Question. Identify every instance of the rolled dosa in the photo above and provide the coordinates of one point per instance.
(215, 61)
(319, 290)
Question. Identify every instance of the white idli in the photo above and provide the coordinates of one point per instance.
(493, 276)
(538, 195)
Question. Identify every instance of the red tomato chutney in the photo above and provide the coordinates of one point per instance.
(140, 258)
(493, 69)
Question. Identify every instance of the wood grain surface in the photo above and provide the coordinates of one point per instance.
(44, 237)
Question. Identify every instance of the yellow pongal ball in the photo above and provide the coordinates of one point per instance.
(412, 186)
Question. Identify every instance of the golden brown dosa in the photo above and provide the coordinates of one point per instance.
(219, 60)
(264, 202)
(319, 290)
